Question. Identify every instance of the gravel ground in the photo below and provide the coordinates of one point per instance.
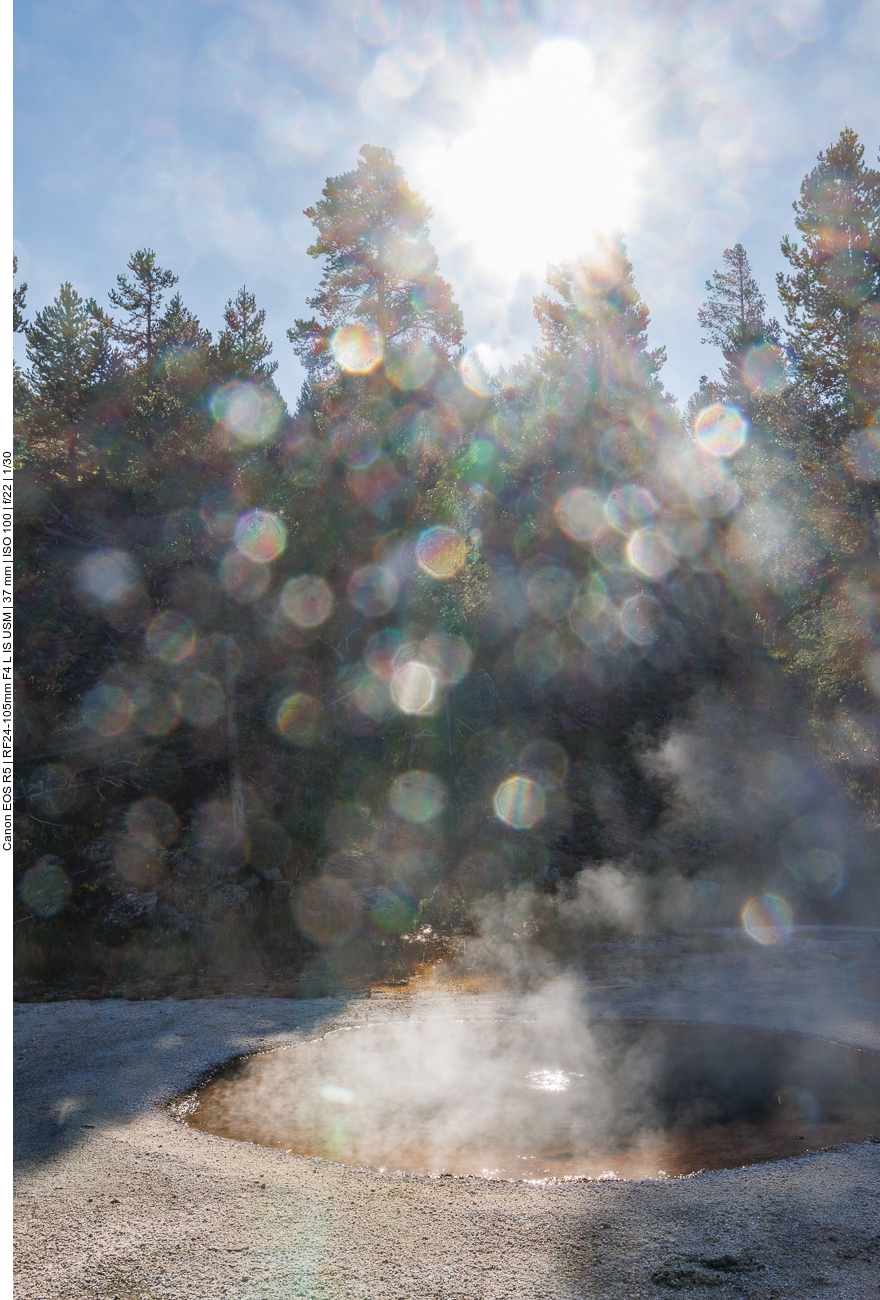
(115, 1199)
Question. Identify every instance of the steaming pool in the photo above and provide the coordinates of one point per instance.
(531, 1100)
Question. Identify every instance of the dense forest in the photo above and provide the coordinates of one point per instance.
(529, 658)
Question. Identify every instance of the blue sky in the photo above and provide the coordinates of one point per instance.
(203, 128)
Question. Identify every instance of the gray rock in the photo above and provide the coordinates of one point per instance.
(232, 895)
(98, 852)
(130, 912)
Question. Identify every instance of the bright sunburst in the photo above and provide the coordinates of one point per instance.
(548, 163)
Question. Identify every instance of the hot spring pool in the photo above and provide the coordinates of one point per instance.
(522, 1100)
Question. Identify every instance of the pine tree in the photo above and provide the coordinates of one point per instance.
(596, 327)
(181, 330)
(20, 394)
(18, 303)
(732, 319)
(140, 298)
(735, 305)
(832, 295)
(242, 347)
(70, 355)
(380, 269)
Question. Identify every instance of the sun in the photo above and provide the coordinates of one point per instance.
(547, 165)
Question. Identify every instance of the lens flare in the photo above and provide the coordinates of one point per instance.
(441, 552)
(373, 590)
(45, 888)
(712, 489)
(398, 73)
(800, 1105)
(580, 514)
(650, 552)
(395, 913)
(156, 708)
(111, 577)
(260, 536)
(202, 700)
(356, 349)
(107, 710)
(249, 414)
(383, 650)
(449, 656)
(640, 618)
(339, 1096)
(417, 796)
(473, 375)
(220, 841)
(824, 872)
(550, 591)
(540, 652)
(152, 823)
(170, 637)
(409, 368)
(375, 485)
(630, 507)
(767, 919)
(810, 851)
(414, 687)
(593, 618)
(720, 430)
(546, 762)
(307, 600)
(766, 369)
(328, 909)
(242, 579)
(861, 453)
(371, 697)
(519, 802)
(357, 444)
(377, 22)
(297, 718)
(609, 548)
(306, 460)
(475, 463)
(528, 141)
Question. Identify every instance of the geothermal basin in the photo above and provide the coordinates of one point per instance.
(115, 1197)
(542, 1099)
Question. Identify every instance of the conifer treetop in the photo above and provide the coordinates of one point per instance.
(243, 345)
(599, 320)
(735, 306)
(832, 295)
(380, 269)
(140, 298)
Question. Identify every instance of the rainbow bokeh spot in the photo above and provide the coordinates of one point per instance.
(721, 430)
(441, 552)
(767, 919)
(519, 802)
(580, 514)
(373, 590)
(414, 687)
(170, 637)
(45, 887)
(297, 717)
(260, 536)
(356, 349)
(307, 600)
(417, 796)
